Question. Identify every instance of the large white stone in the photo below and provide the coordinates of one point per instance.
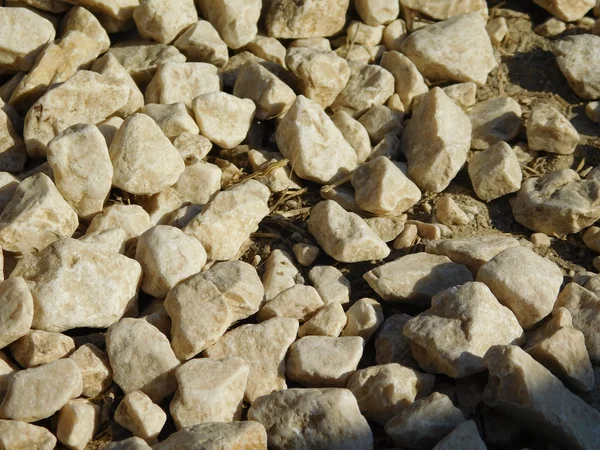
(578, 58)
(80, 19)
(77, 423)
(548, 130)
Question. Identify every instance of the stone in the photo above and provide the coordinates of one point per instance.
(444, 10)
(16, 435)
(210, 390)
(140, 416)
(173, 119)
(133, 443)
(550, 28)
(409, 81)
(199, 183)
(358, 54)
(162, 21)
(82, 20)
(463, 94)
(591, 239)
(330, 320)
(201, 43)
(377, 12)
(381, 187)
(182, 82)
(268, 48)
(380, 120)
(95, 369)
(12, 147)
(497, 30)
(131, 218)
(407, 237)
(113, 239)
(463, 323)
(223, 118)
(384, 391)
(313, 418)
(235, 20)
(394, 34)
(558, 203)
(430, 231)
(271, 95)
(78, 421)
(192, 148)
(287, 19)
(305, 254)
(8, 186)
(41, 347)
(109, 128)
(466, 435)
(387, 228)
(344, 235)
(238, 210)
(121, 9)
(247, 435)
(277, 179)
(530, 294)
(35, 394)
(263, 347)
(495, 172)
(363, 318)
(576, 57)
(391, 346)
(548, 130)
(7, 369)
(82, 168)
(552, 410)
(318, 43)
(354, 133)
(458, 49)
(569, 11)
(494, 121)
(361, 33)
(368, 85)
(68, 104)
(24, 35)
(449, 213)
(425, 422)
(323, 75)
(16, 310)
(473, 252)
(436, 141)
(297, 302)
(592, 111)
(331, 284)
(36, 216)
(141, 358)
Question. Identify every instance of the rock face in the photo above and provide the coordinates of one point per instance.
(458, 49)
(247, 435)
(315, 146)
(312, 418)
(436, 141)
(460, 327)
(547, 406)
(344, 235)
(548, 130)
(16, 310)
(289, 19)
(558, 203)
(235, 20)
(16, 435)
(577, 57)
(569, 11)
(68, 281)
(494, 121)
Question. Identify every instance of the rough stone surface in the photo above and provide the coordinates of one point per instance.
(199, 183)
(201, 43)
(12, 148)
(577, 57)
(327, 321)
(548, 130)
(409, 81)
(354, 133)
(494, 121)
(95, 369)
(80, 19)
(235, 20)
(289, 19)
(363, 318)
(141, 59)
(279, 275)
(173, 119)
(16, 310)
(41, 347)
(391, 346)
(331, 284)
(449, 213)
(298, 302)
(248, 435)
(78, 421)
(569, 11)
(131, 218)
(17, 435)
(305, 254)
(442, 10)
(138, 414)
(466, 435)
(162, 21)
(387, 228)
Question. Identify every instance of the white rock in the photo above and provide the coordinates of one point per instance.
(173, 119)
(95, 369)
(377, 12)
(247, 435)
(192, 148)
(569, 11)
(199, 183)
(80, 19)
(449, 213)
(363, 318)
(441, 10)
(330, 320)
(409, 81)
(331, 284)
(201, 43)
(268, 48)
(109, 128)
(463, 94)
(298, 302)
(8, 186)
(497, 29)
(379, 120)
(120, 9)
(305, 254)
(41, 347)
(354, 133)
(16, 310)
(131, 218)
(138, 414)
(548, 130)
(162, 21)
(494, 120)
(78, 421)
(407, 237)
(550, 28)
(210, 390)
(235, 20)
(113, 239)
(577, 57)
(495, 172)
(20, 435)
(290, 20)
(387, 228)
(361, 33)
(394, 34)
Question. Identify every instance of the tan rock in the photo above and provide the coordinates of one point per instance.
(8, 186)
(192, 148)
(331, 284)
(466, 435)
(246, 435)
(463, 94)
(80, 19)
(162, 21)
(327, 321)
(78, 421)
(118, 9)
(449, 213)
(354, 133)
(16, 310)
(201, 43)
(268, 48)
(41, 347)
(95, 369)
(569, 11)
(15, 435)
(550, 28)
(133, 443)
(409, 81)
(172, 119)
(109, 128)
(494, 121)
(131, 218)
(495, 172)
(7, 369)
(441, 10)
(387, 228)
(305, 254)
(12, 148)
(318, 43)
(235, 20)
(199, 183)
(278, 179)
(321, 18)
(497, 30)
(394, 34)
(407, 237)
(361, 33)
(548, 130)
(113, 239)
(138, 414)
(576, 57)
(377, 12)
(379, 120)
(298, 302)
(391, 346)
(364, 317)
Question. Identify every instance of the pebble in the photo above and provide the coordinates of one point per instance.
(280, 274)
(16, 435)
(305, 254)
(497, 30)
(567, 11)
(95, 369)
(406, 238)
(329, 320)
(592, 110)
(235, 20)
(354, 133)
(449, 213)
(466, 435)
(163, 20)
(199, 183)
(192, 148)
(379, 120)
(7, 369)
(172, 119)
(201, 43)
(540, 240)
(140, 416)
(387, 228)
(248, 435)
(297, 302)
(394, 34)
(409, 81)
(277, 180)
(78, 421)
(313, 418)
(363, 318)
(494, 121)
(548, 130)
(286, 19)
(41, 347)
(16, 310)
(331, 284)
(576, 57)
(550, 28)
(361, 33)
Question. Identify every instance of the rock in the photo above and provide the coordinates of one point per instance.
(331, 284)
(312, 418)
(268, 48)
(318, 43)
(323, 75)
(561, 349)
(199, 183)
(387, 228)
(592, 111)
(167, 256)
(368, 85)
(433, 163)
(368, 35)
(458, 49)
(443, 10)
(109, 128)
(550, 28)
(192, 148)
(173, 119)
(344, 235)
(364, 317)
(416, 278)
(82, 169)
(210, 390)
(460, 327)
(591, 239)
(246, 435)
(473, 252)
(238, 210)
(548, 130)
(558, 203)
(287, 19)
(35, 394)
(449, 213)
(425, 422)
(8, 186)
(377, 12)
(144, 160)
(430, 231)
(133, 443)
(16, 310)
(163, 21)
(95, 369)
(386, 390)
(466, 435)
(380, 120)
(263, 347)
(12, 148)
(497, 30)
(201, 43)
(409, 81)
(78, 421)
(82, 20)
(41, 347)
(463, 94)
(67, 105)
(162, 206)
(298, 302)
(569, 11)
(394, 34)
(113, 239)
(406, 238)
(140, 416)
(391, 346)
(223, 118)
(495, 172)
(552, 411)
(327, 321)
(323, 361)
(576, 57)
(540, 240)
(131, 218)
(305, 254)
(280, 274)
(494, 121)
(141, 358)
(271, 96)
(24, 35)
(531, 293)
(20, 435)
(182, 82)
(235, 20)
(354, 133)
(7, 369)
(271, 174)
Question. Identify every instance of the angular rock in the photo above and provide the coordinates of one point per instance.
(463, 94)
(12, 148)
(20, 435)
(548, 130)
(331, 284)
(162, 21)
(278, 179)
(363, 318)
(16, 310)
(391, 346)
(78, 421)
(246, 435)
(466, 435)
(133, 443)
(95, 369)
(495, 172)
(494, 121)
(199, 183)
(380, 120)
(445, 10)
(201, 43)
(269, 49)
(305, 254)
(377, 12)
(327, 321)
(449, 213)
(173, 119)
(41, 347)
(288, 19)
(577, 57)
(192, 148)
(365, 34)
(80, 19)
(140, 416)
(409, 81)
(569, 11)
(298, 302)
(235, 20)
(387, 228)
(131, 218)
(497, 30)
(354, 133)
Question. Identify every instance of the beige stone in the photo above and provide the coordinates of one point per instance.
(407, 237)
(172, 119)
(394, 34)
(591, 238)
(331, 284)
(494, 121)
(8, 186)
(354, 133)
(278, 179)
(80, 19)
(391, 346)
(201, 43)
(327, 321)
(298, 302)
(162, 21)
(466, 435)
(7, 369)
(318, 43)
(361, 33)
(495, 172)
(12, 147)
(138, 414)
(20, 435)
(497, 30)
(95, 369)
(16, 310)
(288, 19)
(377, 12)
(162, 206)
(550, 28)
(363, 318)
(441, 10)
(379, 120)
(192, 148)
(409, 81)
(305, 254)
(118, 9)
(548, 130)
(112, 25)
(41, 347)
(463, 94)
(569, 11)
(78, 421)
(132, 443)
(387, 228)
(247, 435)
(313, 418)
(131, 218)
(199, 183)
(263, 347)
(210, 390)
(576, 58)
(109, 128)
(268, 48)
(449, 213)
(113, 239)
(235, 20)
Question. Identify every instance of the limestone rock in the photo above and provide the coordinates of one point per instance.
(497, 30)
(449, 213)
(82, 20)
(133, 443)
(228, 220)
(548, 130)
(41, 347)
(344, 235)
(577, 57)
(20, 435)
(162, 206)
(95, 369)
(354, 133)
(495, 172)
(312, 418)
(305, 254)
(109, 128)
(35, 394)
(162, 21)
(288, 19)
(569, 11)
(387, 228)
(173, 119)
(141, 358)
(246, 435)
(494, 121)
(16, 310)
(263, 347)
(436, 141)
(458, 49)
(12, 148)
(268, 48)
(377, 12)
(113, 239)
(379, 120)
(441, 10)
(327, 321)
(463, 94)
(416, 278)
(201, 43)
(120, 9)
(550, 28)
(331, 284)
(391, 346)
(138, 414)
(530, 293)
(298, 302)
(364, 317)
(466, 435)
(278, 179)
(192, 148)
(409, 81)
(394, 34)
(131, 218)
(235, 20)
(210, 390)
(368, 35)
(78, 421)
(199, 183)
